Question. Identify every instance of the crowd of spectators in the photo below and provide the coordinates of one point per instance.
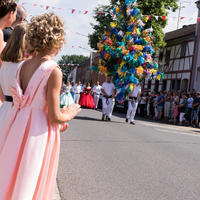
(179, 108)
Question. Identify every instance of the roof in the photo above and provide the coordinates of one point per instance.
(182, 32)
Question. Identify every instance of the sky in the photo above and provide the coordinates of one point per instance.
(78, 22)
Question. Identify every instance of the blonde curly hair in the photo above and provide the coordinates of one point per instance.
(45, 33)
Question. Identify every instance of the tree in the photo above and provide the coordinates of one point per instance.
(103, 16)
(126, 49)
(67, 63)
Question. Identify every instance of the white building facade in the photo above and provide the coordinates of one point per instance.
(177, 60)
(180, 60)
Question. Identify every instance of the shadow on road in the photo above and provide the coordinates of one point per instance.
(94, 119)
(87, 118)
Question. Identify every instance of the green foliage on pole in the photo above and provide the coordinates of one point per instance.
(103, 17)
(126, 49)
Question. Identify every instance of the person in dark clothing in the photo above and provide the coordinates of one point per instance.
(160, 105)
(182, 109)
(7, 33)
(20, 18)
(151, 104)
(195, 110)
(7, 17)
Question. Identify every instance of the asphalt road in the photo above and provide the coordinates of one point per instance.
(118, 161)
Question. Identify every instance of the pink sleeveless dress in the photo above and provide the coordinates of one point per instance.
(30, 152)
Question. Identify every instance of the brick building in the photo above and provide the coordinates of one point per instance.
(85, 74)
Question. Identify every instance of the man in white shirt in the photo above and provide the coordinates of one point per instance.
(133, 98)
(109, 93)
(97, 91)
(77, 90)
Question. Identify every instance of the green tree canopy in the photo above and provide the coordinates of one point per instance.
(103, 17)
(72, 59)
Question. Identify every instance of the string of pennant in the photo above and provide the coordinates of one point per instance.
(85, 12)
(48, 7)
(77, 33)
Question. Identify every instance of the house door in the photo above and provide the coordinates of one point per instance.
(184, 85)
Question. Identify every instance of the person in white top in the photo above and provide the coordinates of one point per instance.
(8, 11)
(109, 93)
(12, 57)
(77, 90)
(133, 98)
(97, 91)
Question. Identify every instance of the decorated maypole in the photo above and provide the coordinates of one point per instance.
(126, 49)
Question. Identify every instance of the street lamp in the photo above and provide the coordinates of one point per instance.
(91, 55)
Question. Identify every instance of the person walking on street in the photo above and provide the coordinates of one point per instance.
(97, 91)
(77, 92)
(133, 98)
(109, 93)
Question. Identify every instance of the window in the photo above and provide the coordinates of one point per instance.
(167, 57)
(183, 49)
(160, 56)
(164, 86)
(149, 84)
(156, 85)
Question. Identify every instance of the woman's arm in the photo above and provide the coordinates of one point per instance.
(2, 98)
(53, 100)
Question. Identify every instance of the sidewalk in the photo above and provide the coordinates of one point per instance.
(189, 129)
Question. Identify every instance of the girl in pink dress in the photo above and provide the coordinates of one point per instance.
(29, 155)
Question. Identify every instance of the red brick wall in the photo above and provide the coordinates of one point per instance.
(84, 74)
